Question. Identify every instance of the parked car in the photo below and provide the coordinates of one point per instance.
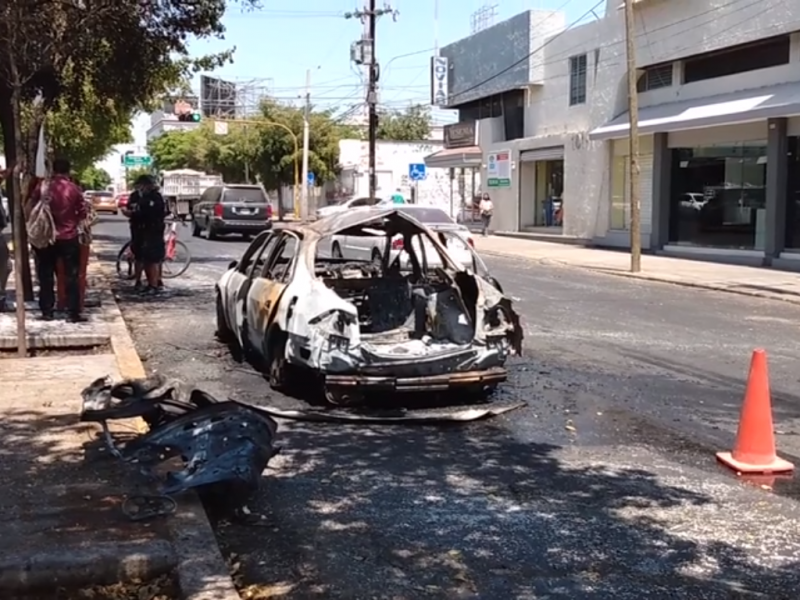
(343, 205)
(103, 202)
(360, 326)
(240, 209)
(122, 201)
(455, 236)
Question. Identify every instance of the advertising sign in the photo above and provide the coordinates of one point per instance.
(439, 81)
(498, 169)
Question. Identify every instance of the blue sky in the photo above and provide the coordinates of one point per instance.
(275, 47)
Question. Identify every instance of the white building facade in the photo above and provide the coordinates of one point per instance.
(393, 162)
(719, 121)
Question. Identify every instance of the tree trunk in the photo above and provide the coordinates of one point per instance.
(21, 258)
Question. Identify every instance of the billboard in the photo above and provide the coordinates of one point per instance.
(439, 81)
(217, 97)
(176, 105)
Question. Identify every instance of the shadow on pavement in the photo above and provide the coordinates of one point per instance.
(472, 513)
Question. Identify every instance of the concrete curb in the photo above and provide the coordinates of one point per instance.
(202, 572)
(98, 564)
(791, 299)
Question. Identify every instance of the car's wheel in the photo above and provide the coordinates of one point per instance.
(196, 231)
(276, 367)
(336, 250)
(224, 333)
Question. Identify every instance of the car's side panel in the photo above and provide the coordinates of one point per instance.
(263, 298)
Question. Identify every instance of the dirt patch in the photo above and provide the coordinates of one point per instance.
(163, 588)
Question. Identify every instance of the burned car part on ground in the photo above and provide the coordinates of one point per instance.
(369, 326)
(209, 443)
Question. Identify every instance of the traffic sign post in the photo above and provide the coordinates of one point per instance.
(417, 171)
(132, 160)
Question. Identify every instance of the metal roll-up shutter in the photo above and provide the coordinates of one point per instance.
(555, 153)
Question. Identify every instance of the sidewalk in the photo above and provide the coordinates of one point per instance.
(62, 510)
(749, 281)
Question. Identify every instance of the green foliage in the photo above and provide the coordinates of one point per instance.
(94, 178)
(411, 125)
(261, 149)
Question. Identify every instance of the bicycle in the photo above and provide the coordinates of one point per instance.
(174, 249)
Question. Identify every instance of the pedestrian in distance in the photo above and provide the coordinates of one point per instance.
(397, 197)
(147, 214)
(486, 208)
(5, 255)
(68, 209)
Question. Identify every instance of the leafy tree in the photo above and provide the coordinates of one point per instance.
(411, 125)
(94, 178)
(121, 50)
(178, 150)
(87, 133)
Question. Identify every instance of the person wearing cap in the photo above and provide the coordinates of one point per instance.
(147, 210)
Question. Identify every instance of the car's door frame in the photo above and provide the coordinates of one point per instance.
(246, 277)
(264, 293)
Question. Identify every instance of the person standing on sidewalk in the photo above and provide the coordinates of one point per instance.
(5, 255)
(486, 208)
(68, 208)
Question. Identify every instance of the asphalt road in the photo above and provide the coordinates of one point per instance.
(605, 486)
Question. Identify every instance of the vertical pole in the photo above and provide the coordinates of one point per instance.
(633, 112)
(246, 138)
(372, 100)
(436, 28)
(304, 184)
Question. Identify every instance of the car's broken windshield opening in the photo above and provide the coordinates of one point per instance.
(397, 297)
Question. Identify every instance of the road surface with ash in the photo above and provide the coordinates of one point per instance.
(605, 486)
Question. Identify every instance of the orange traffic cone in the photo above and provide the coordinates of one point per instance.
(754, 451)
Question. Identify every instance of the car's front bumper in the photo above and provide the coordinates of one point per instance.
(425, 383)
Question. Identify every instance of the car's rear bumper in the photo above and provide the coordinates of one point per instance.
(425, 383)
(106, 209)
(224, 226)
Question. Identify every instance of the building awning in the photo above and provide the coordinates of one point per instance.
(723, 109)
(470, 156)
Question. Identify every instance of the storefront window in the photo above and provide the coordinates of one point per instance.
(793, 195)
(549, 190)
(718, 196)
(619, 186)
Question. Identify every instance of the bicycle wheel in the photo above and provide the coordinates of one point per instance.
(125, 266)
(177, 265)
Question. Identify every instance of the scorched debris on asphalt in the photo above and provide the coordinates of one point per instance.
(216, 443)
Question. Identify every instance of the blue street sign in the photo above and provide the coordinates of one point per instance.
(310, 178)
(417, 172)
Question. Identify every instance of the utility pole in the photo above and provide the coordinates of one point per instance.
(304, 185)
(368, 56)
(633, 113)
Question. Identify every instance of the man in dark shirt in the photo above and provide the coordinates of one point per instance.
(69, 211)
(147, 211)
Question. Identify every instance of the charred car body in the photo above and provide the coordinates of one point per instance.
(366, 326)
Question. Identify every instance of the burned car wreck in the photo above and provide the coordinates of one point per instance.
(194, 440)
(407, 325)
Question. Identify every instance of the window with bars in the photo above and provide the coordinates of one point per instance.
(577, 80)
(655, 77)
